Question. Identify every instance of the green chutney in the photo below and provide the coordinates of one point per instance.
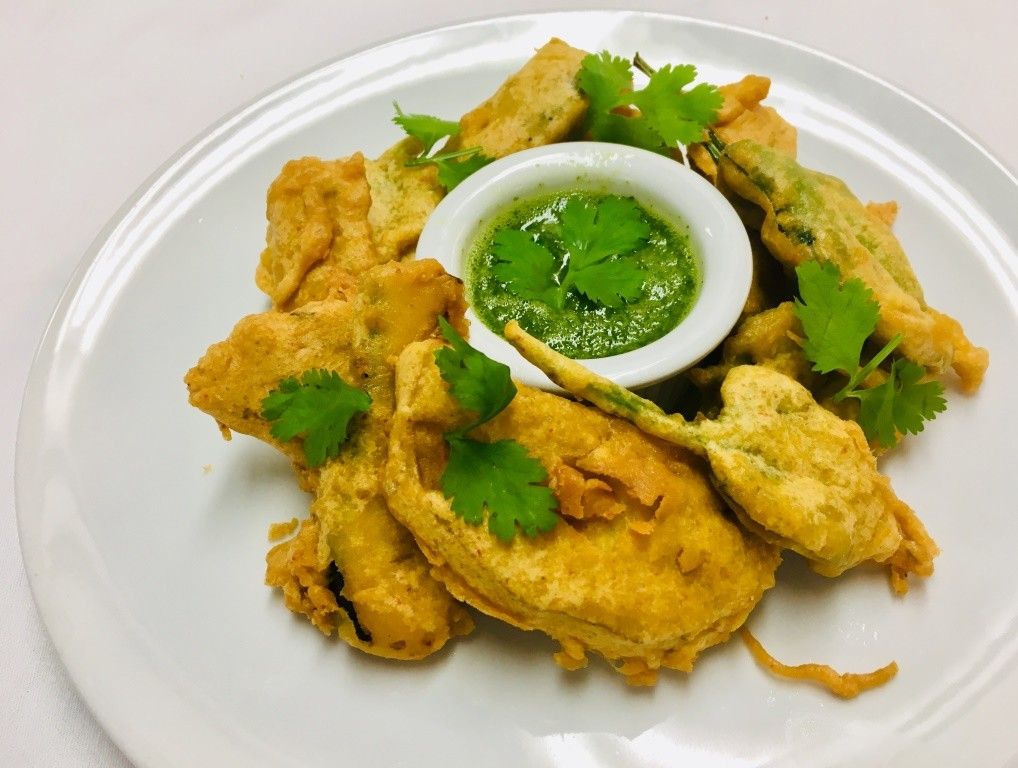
(582, 329)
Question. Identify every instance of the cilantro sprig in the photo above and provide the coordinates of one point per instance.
(593, 238)
(658, 117)
(317, 408)
(477, 382)
(453, 166)
(837, 318)
(500, 477)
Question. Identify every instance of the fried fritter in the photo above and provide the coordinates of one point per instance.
(742, 116)
(646, 571)
(318, 239)
(233, 376)
(794, 473)
(537, 105)
(809, 215)
(769, 338)
(395, 608)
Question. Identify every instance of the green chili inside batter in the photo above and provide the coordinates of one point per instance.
(570, 322)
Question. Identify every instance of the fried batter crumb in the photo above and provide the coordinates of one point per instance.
(295, 567)
(279, 531)
(847, 685)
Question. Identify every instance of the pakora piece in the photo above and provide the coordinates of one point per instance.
(769, 338)
(743, 116)
(387, 604)
(794, 473)
(644, 569)
(809, 215)
(318, 241)
(540, 104)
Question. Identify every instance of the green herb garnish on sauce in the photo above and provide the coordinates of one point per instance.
(591, 237)
(590, 274)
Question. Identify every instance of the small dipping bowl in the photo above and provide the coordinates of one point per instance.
(669, 189)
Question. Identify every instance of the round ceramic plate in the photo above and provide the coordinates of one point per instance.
(144, 532)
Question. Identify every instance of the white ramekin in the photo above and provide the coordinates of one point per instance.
(668, 188)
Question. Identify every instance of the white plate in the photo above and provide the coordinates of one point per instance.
(148, 571)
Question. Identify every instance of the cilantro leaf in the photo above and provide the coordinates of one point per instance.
(665, 113)
(526, 266)
(592, 233)
(610, 283)
(603, 78)
(678, 116)
(454, 165)
(451, 172)
(502, 478)
(836, 317)
(318, 408)
(477, 382)
(426, 129)
(901, 404)
(594, 236)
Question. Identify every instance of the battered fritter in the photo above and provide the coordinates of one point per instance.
(795, 474)
(810, 215)
(318, 239)
(394, 608)
(645, 569)
(538, 105)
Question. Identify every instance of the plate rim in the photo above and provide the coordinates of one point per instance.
(139, 749)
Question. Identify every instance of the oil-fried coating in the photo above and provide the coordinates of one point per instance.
(742, 116)
(405, 613)
(846, 685)
(799, 476)
(318, 238)
(537, 105)
(662, 576)
(794, 473)
(886, 212)
(233, 376)
(769, 338)
(402, 198)
(773, 339)
(303, 577)
(809, 215)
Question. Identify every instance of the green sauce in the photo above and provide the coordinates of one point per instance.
(581, 328)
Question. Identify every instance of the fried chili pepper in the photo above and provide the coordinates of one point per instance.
(810, 215)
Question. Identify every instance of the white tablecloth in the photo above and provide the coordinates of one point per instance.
(95, 96)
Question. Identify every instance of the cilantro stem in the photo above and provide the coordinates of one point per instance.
(423, 160)
(861, 374)
(564, 287)
(641, 64)
(714, 146)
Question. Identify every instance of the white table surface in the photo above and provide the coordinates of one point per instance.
(95, 96)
